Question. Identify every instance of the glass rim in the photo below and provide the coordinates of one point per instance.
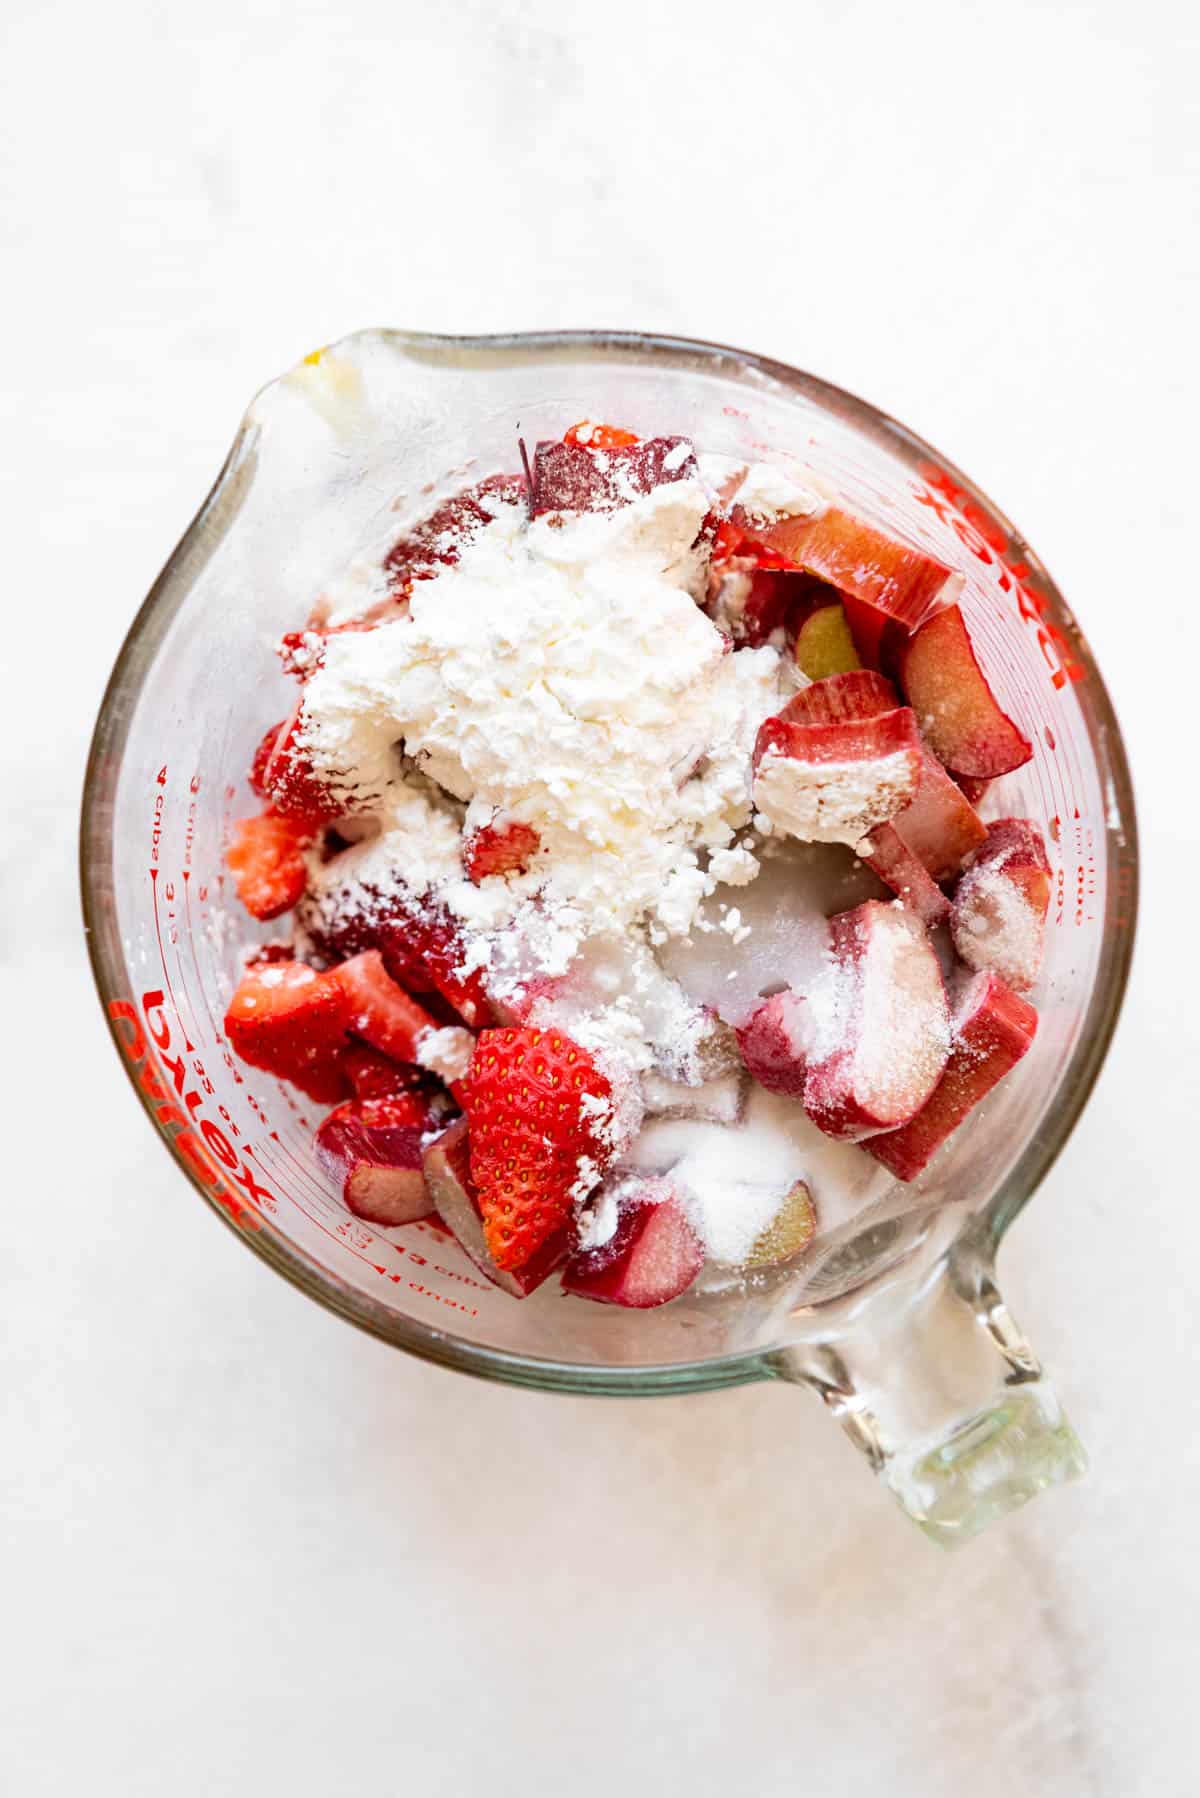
(109, 972)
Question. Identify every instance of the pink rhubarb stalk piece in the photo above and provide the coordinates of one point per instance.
(381, 1012)
(993, 1028)
(999, 915)
(832, 783)
(889, 1027)
(774, 1043)
(456, 1201)
(887, 589)
(374, 1148)
(955, 707)
(886, 852)
(651, 1257)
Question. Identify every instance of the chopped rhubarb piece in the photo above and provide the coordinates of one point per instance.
(586, 435)
(505, 846)
(292, 784)
(832, 783)
(571, 477)
(789, 1233)
(999, 916)
(940, 826)
(955, 707)
(262, 757)
(292, 1022)
(456, 1200)
(888, 590)
(889, 1029)
(381, 1012)
(652, 1256)
(973, 788)
(536, 1103)
(720, 1100)
(886, 852)
(992, 1029)
(775, 1041)
(858, 693)
(374, 1149)
(266, 859)
(824, 645)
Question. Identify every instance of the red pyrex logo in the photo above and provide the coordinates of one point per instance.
(179, 1093)
(979, 533)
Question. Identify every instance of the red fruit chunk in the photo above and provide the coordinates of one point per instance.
(999, 915)
(832, 783)
(774, 1043)
(378, 1010)
(376, 1076)
(291, 1021)
(941, 826)
(571, 477)
(374, 1149)
(292, 784)
(424, 952)
(859, 694)
(653, 1255)
(532, 1099)
(889, 1027)
(500, 848)
(972, 788)
(456, 1199)
(586, 435)
(266, 859)
(887, 589)
(955, 707)
(885, 851)
(438, 540)
(992, 1029)
(262, 756)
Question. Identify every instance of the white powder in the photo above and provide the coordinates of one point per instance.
(447, 1052)
(768, 492)
(835, 801)
(995, 927)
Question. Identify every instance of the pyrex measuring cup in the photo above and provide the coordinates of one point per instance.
(898, 1324)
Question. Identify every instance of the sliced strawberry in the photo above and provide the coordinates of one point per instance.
(824, 645)
(291, 1021)
(262, 757)
(889, 1029)
(586, 435)
(887, 853)
(303, 652)
(775, 1043)
(292, 784)
(374, 1149)
(858, 693)
(533, 1100)
(266, 859)
(652, 1257)
(456, 1198)
(376, 1076)
(992, 1030)
(438, 540)
(379, 1011)
(505, 846)
(424, 951)
(1000, 904)
(832, 783)
(569, 477)
(887, 589)
(955, 707)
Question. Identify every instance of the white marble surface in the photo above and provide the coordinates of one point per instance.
(248, 1550)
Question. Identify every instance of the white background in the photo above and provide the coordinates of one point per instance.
(250, 1551)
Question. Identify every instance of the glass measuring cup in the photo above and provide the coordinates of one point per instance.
(898, 1325)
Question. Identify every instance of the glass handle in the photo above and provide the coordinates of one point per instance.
(934, 1382)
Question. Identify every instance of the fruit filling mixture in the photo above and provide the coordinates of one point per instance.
(643, 923)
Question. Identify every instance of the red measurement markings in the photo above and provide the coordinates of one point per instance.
(986, 540)
(156, 833)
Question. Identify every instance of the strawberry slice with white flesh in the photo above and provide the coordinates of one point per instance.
(957, 710)
(1000, 905)
(651, 1257)
(455, 1197)
(883, 1047)
(374, 1149)
(993, 1028)
(832, 783)
(887, 589)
